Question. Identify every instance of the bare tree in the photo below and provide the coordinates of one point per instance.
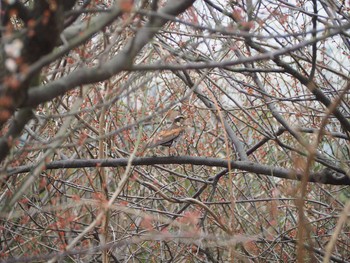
(260, 173)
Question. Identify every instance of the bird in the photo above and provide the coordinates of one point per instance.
(170, 136)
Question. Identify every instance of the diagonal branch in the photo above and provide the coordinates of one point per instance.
(122, 61)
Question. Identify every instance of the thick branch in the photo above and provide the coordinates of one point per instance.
(16, 127)
(325, 176)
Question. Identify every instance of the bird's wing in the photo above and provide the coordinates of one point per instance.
(165, 137)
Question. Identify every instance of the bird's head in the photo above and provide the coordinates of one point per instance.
(178, 121)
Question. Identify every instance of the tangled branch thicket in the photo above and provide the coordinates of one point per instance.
(261, 173)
